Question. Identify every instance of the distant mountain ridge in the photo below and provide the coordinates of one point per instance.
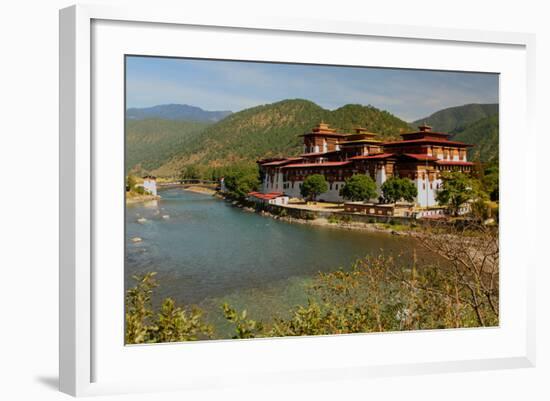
(164, 147)
(454, 119)
(179, 112)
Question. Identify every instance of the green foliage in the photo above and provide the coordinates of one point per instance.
(481, 209)
(313, 186)
(241, 180)
(272, 131)
(130, 182)
(359, 187)
(306, 215)
(244, 328)
(171, 323)
(191, 172)
(456, 189)
(175, 324)
(140, 190)
(139, 310)
(335, 219)
(395, 189)
(152, 142)
(490, 180)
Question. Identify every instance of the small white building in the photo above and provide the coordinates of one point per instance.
(272, 198)
(150, 184)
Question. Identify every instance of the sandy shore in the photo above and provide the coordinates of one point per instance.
(200, 190)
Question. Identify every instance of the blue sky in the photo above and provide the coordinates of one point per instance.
(235, 85)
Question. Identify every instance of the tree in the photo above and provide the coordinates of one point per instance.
(171, 323)
(139, 310)
(313, 186)
(190, 173)
(242, 180)
(472, 254)
(395, 189)
(490, 181)
(359, 187)
(456, 189)
(130, 182)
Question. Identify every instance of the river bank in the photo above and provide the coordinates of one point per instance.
(138, 198)
(393, 229)
(335, 221)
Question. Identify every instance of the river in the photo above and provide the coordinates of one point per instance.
(207, 252)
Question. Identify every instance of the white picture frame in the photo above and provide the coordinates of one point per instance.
(81, 156)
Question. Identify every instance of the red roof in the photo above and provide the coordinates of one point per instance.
(268, 196)
(418, 156)
(377, 156)
(425, 140)
(324, 164)
(280, 162)
(454, 163)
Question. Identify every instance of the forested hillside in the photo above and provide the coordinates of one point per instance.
(476, 124)
(149, 143)
(165, 147)
(483, 134)
(454, 119)
(273, 130)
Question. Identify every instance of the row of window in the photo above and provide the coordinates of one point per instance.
(286, 185)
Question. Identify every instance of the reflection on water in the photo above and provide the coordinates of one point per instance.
(206, 251)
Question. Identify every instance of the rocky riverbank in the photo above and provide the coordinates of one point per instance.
(394, 229)
(335, 221)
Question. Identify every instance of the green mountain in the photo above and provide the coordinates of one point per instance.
(484, 135)
(272, 130)
(151, 142)
(454, 119)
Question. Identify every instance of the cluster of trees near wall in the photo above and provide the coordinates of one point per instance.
(482, 187)
(374, 295)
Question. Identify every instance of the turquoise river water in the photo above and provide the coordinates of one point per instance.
(207, 252)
